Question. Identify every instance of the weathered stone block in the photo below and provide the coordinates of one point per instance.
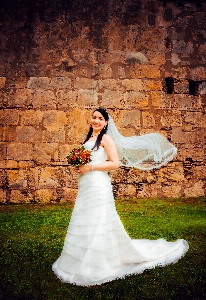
(54, 118)
(39, 83)
(87, 97)
(199, 172)
(3, 178)
(26, 164)
(148, 191)
(174, 171)
(118, 176)
(60, 82)
(136, 99)
(45, 195)
(148, 119)
(11, 164)
(109, 84)
(129, 118)
(16, 196)
(8, 134)
(3, 198)
(22, 98)
(50, 118)
(48, 178)
(2, 100)
(17, 179)
(132, 84)
(2, 164)
(5, 96)
(2, 82)
(125, 191)
(3, 150)
(171, 191)
(121, 72)
(34, 174)
(190, 151)
(177, 135)
(105, 71)
(195, 190)
(145, 71)
(195, 118)
(202, 88)
(171, 118)
(31, 117)
(128, 131)
(152, 85)
(85, 83)
(2, 137)
(160, 100)
(197, 136)
(53, 134)
(45, 152)
(42, 98)
(82, 71)
(28, 134)
(181, 87)
(135, 176)
(9, 117)
(66, 98)
(185, 102)
(197, 73)
(20, 151)
(112, 98)
(69, 178)
(157, 59)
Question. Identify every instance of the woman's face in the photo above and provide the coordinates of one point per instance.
(98, 122)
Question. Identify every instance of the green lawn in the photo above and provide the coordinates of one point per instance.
(32, 237)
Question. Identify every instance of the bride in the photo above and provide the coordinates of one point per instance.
(97, 248)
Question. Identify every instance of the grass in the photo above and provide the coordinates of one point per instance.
(32, 237)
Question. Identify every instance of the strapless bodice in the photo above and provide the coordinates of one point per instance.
(98, 156)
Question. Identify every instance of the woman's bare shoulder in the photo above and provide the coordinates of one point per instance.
(106, 139)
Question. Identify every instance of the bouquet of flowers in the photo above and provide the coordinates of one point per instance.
(79, 157)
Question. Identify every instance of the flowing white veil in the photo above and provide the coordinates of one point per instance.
(145, 152)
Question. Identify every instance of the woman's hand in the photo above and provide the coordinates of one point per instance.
(85, 169)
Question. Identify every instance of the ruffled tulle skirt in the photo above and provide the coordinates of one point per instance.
(97, 248)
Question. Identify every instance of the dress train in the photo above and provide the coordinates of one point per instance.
(97, 249)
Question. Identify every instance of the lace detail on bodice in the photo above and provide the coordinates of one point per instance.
(98, 156)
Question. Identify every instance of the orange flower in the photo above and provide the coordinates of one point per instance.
(79, 156)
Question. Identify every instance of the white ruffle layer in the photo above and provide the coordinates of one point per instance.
(97, 248)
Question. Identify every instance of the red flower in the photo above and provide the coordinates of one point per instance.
(79, 156)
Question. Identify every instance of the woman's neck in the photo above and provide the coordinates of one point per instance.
(95, 134)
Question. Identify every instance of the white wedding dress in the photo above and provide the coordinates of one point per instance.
(97, 248)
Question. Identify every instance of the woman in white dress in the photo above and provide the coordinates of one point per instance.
(97, 248)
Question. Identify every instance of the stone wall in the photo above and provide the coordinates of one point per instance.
(145, 61)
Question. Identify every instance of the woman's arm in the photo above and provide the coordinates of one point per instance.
(112, 155)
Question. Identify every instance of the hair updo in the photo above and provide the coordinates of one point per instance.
(105, 115)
